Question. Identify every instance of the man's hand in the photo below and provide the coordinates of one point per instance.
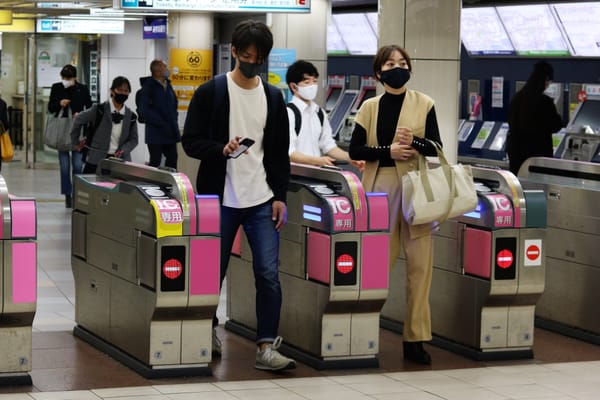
(324, 160)
(358, 164)
(279, 214)
(64, 103)
(232, 146)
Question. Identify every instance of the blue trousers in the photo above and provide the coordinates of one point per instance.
(66, 160)
(264, 243)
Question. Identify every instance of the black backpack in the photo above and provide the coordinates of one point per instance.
(138, 96)
(298, 117)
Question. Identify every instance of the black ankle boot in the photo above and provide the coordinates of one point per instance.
(415, 352)
(68, 201)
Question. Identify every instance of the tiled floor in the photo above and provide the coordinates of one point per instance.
(64, 367)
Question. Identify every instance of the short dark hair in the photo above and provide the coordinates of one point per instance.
(297, 70)
(384, 53)
(250, 32)
(68, 71)
(542, 72)
(155, 64)
(120, 81)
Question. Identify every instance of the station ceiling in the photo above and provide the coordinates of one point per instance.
(32, 8)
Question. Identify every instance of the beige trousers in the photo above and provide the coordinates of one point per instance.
(419, 259)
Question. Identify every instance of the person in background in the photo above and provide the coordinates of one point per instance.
(532, 119)
(64, 95)
(313, 143)
(114, 128)
(158, 105)
(252, 187)
(391, 131)
(3, 120)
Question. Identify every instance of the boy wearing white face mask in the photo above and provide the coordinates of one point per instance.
(311, 142)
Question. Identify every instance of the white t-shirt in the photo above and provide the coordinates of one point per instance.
(312, 140)
(246, 178)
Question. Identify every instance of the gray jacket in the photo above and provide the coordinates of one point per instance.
(98, 149)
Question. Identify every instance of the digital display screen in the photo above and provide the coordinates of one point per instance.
(587, 114)
(374, 21)
(335, 43)
(334, 95)
(533, 30)
(356, 32)
(580, 22)
(482, 32)
(336, 118)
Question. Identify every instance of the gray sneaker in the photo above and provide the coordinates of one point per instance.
(216, 344)
(270, 359)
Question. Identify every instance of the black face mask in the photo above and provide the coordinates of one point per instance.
(395, 78)
(120, 98)
(250, 70)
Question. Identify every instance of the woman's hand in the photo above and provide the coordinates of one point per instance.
(401, 152)
(404, 135)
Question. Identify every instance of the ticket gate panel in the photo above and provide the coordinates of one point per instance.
(375, 250)
(204, 282)
(364, 334)
(238, 275)
(520, 325)
(111, 256)
(575, 246)
(23, 218)
(532, 265)
(92, 291)
(16, 350)
(78, 234)
(196, 341)
(478, 252)
(336, 335)
(20, 281)
(571, 296)
(319, 257)
(448, 245)
(494, 328)
(165, 343)
(146, 250)
(291, 250)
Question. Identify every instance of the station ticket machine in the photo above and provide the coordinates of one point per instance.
(570, 300)
(145, 258)
(488, 273)
(333, 271)
(18, 232)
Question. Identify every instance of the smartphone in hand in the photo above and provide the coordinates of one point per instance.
(244, 145)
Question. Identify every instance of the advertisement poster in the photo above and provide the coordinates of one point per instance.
(279, 61)
(497, 91)
(189, 69)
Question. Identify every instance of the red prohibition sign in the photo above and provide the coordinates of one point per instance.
(345, 264)
(504, 259)
(532, 252)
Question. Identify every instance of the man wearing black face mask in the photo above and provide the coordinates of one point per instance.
(114, 128)
(252, 187)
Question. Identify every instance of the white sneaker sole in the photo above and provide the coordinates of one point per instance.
(290, 365)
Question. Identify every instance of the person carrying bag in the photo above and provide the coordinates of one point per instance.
(58, 127)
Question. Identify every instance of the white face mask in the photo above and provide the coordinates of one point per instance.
(67, 83)
(308, 92)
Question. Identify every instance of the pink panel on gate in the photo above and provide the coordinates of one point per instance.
(22, 218)
(478, 252)
(24, 272)
(209, 211)
(204, 266)
(379, 219)
(110, 185)
(318, 256)
(237, 243)
(375, 261)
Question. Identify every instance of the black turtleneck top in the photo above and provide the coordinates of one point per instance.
(387, 120)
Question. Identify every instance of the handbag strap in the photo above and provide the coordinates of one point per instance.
(446, 169)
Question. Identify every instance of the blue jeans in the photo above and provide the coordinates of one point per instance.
(65, 159)
(264, 243)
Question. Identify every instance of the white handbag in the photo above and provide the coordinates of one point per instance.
(436, 194)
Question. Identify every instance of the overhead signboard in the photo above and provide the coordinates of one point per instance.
(580, 23)
(356, 32)
(482, 32)
(285, 6)
(105, 26)
(533, 30)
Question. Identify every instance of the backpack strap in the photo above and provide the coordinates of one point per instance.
(298, 117)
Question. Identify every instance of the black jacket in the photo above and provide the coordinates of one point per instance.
(532, 119)
(206, 132)
(78, 94)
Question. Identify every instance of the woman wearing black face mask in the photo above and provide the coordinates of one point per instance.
(390, 130)
(112, 128)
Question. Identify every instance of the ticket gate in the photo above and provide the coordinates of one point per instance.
(18, 232)
(569, 302)
(488, 273)
(145, 258)
(333, 271)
